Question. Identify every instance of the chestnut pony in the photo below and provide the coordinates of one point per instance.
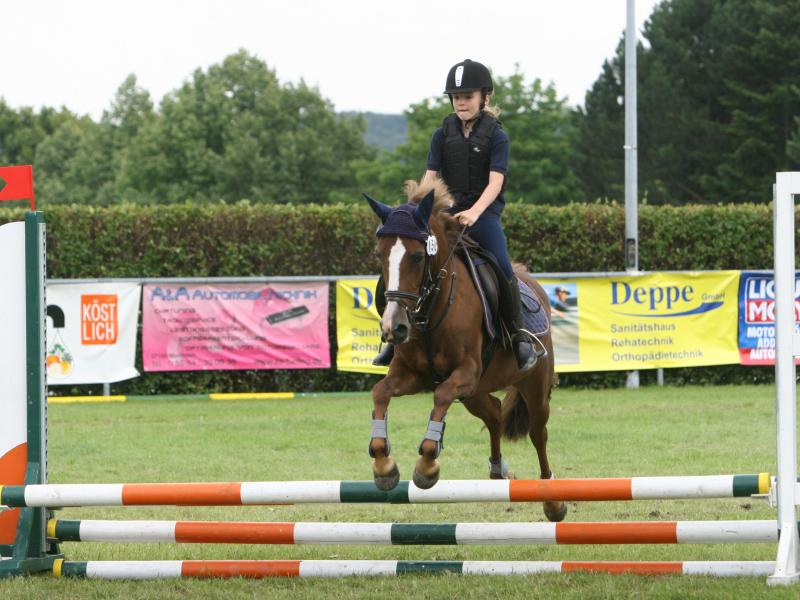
(434, 317)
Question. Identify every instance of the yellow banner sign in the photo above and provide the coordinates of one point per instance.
(599, 324)
(646, 321)
(358, 331)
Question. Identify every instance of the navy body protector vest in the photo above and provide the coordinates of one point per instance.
(466, 161)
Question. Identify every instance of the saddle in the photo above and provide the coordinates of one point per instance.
(485, 274)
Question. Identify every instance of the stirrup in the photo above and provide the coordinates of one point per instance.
(384, 357)
(538, 346)
(538, 350)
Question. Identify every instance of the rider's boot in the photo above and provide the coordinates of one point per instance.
(521, 341)
(386, 354)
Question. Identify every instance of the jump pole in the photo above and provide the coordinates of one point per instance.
(260, 569)
(787, 347)
(226, 532)
(345, 492)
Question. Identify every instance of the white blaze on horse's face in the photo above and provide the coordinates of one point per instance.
(393, 310)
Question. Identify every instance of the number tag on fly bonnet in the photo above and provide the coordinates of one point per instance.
(431, 245)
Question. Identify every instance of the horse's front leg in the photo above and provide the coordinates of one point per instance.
(398, 382)
(461, 383)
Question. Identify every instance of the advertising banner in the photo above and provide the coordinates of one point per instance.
(91, 332)
(358, 331)
(598, 324)
(235, 326)
(359, 335)
(564, 325)
(757, 317)
(654, 320)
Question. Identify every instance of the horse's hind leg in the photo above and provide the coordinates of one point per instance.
(487, 408)
(536, 393)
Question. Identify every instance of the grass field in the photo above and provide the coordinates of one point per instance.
(651, 431)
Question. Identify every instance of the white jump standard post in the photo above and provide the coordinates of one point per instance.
(787, 565)
(24, 547)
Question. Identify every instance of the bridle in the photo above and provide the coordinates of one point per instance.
(424, 300)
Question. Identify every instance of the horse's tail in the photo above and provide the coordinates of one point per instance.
(514, 415)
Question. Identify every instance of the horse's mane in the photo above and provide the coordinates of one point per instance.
(442, 200)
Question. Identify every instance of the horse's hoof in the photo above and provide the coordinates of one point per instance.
(555, 511)
(425, 482)
(389, 481)
(507, 475)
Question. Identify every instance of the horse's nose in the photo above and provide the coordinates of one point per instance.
(400, 333)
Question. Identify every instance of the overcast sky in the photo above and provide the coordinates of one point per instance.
(362, 55)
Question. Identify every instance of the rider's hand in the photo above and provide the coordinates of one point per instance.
(468, 217)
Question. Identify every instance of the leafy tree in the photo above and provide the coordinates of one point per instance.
(81, 160)
(541, 128)
(760, 58)
(74, 164)
(600, 133)
(235, 132)
(384, 175)
(21, 131)
(718, 89)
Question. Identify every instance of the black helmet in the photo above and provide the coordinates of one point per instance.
(468, 76)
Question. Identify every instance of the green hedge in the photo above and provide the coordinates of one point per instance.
(272, 240)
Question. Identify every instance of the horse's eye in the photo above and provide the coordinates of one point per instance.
(417, 257)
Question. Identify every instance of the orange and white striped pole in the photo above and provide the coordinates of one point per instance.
(304, 492)
(224, 532)
(258, 569)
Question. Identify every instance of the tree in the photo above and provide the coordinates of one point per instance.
(760, 57)
(718, 89)
(542, 133)
(21, 131)
(600, 131)
(75, 164)
(235, 132)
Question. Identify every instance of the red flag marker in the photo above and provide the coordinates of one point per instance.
(16, 183)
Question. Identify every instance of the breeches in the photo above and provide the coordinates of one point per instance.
(488, 232)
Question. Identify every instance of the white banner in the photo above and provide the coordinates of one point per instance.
(91, 332)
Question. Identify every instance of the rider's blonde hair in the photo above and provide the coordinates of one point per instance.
(489, 108)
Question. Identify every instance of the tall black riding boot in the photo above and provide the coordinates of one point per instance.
(521, 341)
(386, 354)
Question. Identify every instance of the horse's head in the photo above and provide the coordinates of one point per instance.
(409, 245)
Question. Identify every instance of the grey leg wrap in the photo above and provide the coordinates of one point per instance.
(434, 433)
(499, 468)
(380, 430)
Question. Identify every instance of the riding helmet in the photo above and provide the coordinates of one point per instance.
(468, 76)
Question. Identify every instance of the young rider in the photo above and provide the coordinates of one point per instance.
(470, 152)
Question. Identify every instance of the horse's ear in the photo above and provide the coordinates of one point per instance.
(379, 208)
(424, 208)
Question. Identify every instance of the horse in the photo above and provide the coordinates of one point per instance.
(433, 315)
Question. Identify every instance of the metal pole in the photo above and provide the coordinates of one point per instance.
(631, 169)
(787, 564)
(631, 180)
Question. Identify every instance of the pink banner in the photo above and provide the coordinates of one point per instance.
(235, 326)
